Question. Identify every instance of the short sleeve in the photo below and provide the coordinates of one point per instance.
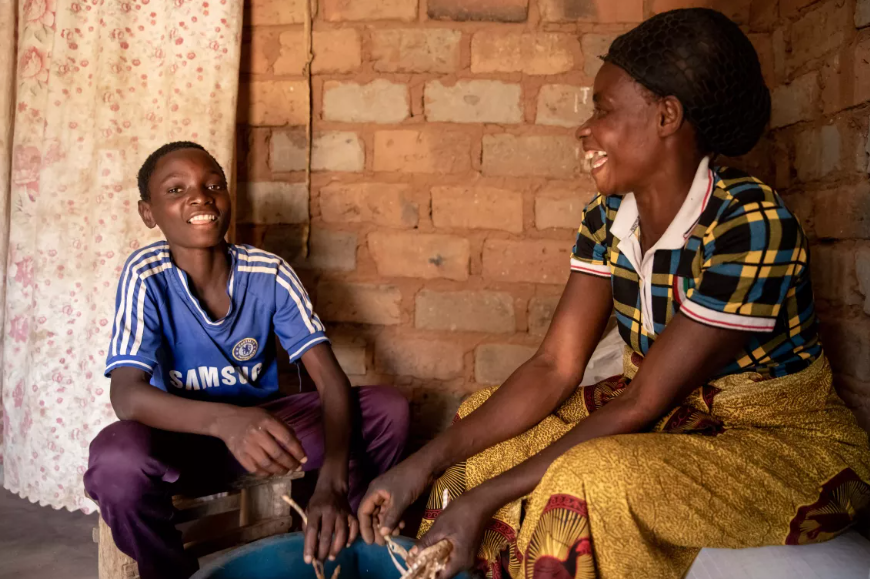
(136, 332)
(590, 251)
(296, 324)
(751, 259)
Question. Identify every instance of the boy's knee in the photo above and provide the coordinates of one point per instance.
(385, 406)
(116, 464)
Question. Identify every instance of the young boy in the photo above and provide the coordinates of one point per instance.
(194, 378)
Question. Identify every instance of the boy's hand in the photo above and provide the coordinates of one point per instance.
(331, 525)
(260, 442)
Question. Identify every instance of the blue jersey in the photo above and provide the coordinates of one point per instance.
(160, 327)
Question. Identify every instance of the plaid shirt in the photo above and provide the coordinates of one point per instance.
(734, 257)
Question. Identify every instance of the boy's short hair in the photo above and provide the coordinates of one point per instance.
(151, 162)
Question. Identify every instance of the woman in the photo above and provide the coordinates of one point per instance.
(724, 430)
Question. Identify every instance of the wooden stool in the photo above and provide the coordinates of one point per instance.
(252, 510)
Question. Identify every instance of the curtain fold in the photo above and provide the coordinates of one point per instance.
(98, 85)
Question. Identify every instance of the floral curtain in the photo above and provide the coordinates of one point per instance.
(97, 85)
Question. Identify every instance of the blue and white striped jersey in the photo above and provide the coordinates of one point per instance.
(161, 327)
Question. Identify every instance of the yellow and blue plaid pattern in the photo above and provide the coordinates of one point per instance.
(744, 266)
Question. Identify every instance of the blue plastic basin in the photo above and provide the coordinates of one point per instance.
(280, 557)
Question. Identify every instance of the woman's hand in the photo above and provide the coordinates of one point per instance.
(260, 442)
(462, 523)
(389, 496)
(331, 524)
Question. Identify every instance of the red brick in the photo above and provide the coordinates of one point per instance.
(763, 15)
(477, 208)
(421, 358)
(380, 203)
(833, 91)
(817, 152)
(561, 208)
(791, 8)
(854, 393)
(491, 312)
(834, 274)
(272, 202)
(862, 14)
(287, 241)
(257, 158)
(474, 101)
(352, 359)
(338, 151)
(532, 261)
(603, 11)
(795, 102)
(273, 12)
(736, 10)
(420, 255)
(541, 312)
(543, 156)
(494, 363)
(594, 47)
(379, 101)
(564, 105)
(531, 53)
(359, 303)
(487, 10)
(862, 272)
(358, 10)
(847, 342)
(334, 51)
(330, 250)
(843, 212)
(409, 50)
(764, 48)
(427, 151)
(861, 72)
(273, 103)
(260, 52)
(817, 33)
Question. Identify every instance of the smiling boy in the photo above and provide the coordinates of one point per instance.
(194, 378)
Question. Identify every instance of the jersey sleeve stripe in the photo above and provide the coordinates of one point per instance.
(129, 363)
(299, 305)
(306, 346)
(125, 305)
(297, 284)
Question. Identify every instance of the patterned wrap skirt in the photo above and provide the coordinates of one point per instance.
(744, 461)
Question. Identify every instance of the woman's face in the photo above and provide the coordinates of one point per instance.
(621, 139)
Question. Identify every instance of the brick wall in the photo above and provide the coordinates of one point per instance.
(447, 181)
(819, 146)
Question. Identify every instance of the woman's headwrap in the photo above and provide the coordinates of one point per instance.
(703, 59)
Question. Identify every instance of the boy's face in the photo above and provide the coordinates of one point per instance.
(189, 200)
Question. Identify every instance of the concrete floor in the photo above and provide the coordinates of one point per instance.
(42, 543)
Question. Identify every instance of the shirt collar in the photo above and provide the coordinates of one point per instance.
(627, 218)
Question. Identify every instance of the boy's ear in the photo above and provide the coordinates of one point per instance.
(145, 214)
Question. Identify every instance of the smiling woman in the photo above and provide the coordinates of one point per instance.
(724, 429)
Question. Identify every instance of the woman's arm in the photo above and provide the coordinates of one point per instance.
(537, 387)
(685, 355)
(533, 391)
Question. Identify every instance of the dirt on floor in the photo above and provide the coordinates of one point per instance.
(43, 543)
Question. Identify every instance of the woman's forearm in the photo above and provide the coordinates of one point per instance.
(531, 393)
(621, 416)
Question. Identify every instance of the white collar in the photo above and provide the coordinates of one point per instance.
(627, 218)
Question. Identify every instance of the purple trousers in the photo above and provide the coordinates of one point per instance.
(134, 470)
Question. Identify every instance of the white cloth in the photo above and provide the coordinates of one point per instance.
(99, 86)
